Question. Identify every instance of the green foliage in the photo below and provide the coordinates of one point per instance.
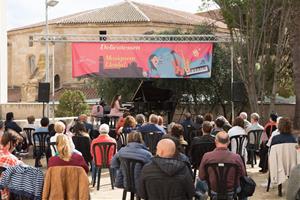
(71, 103)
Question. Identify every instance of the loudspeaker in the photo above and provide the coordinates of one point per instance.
(44, 92)
(102, 35)
(239, 92)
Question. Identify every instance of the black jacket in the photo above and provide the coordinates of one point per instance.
(166, 179)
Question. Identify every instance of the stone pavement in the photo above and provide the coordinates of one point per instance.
(106, 193)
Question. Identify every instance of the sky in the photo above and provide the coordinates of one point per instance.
(25, 12)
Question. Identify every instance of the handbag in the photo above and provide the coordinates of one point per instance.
(247, 186)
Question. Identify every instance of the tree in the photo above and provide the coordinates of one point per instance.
(71, 103)
(295, 44)
(260, 41)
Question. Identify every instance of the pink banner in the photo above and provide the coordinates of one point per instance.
(142, 60)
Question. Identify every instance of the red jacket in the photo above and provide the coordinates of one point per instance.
(100, 139)
(76, 160)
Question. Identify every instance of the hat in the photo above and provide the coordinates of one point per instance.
(104, 128)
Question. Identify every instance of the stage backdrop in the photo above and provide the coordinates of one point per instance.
(142, 60)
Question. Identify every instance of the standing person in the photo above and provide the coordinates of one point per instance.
(166, 177)
(9, 141)
(116, 106)
(187, 124)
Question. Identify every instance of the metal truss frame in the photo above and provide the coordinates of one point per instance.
(69, 38)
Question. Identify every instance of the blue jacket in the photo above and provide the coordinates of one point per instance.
(132, 150)
(151, 128)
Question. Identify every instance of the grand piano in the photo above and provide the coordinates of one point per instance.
(149, 99)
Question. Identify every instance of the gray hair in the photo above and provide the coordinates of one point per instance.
(243, 115)
(255, 116)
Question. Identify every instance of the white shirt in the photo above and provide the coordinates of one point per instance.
(274, 133)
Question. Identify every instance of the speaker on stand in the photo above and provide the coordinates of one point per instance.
(43, 94)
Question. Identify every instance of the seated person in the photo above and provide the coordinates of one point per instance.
(116, 109)
(221, 154)
(103, 137)
(140, 120)
(1, 128)
(135, 149)
(187, 122)
(83, 118)
(65, 155)
(219, 123)
(30, 120)
(198, 124)
(9, 141)
(206, 137)
(293, 189)
(177, 131)
(129, 125)
(152, 126)
(285, 130)
(121, 121)
(44, 125)
(79, 130)
(166, 177)
(60, 130)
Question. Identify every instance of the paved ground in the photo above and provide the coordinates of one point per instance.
(106, 193)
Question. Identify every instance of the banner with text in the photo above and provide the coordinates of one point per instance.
(142, 60)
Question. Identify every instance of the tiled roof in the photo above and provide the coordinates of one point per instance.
(90, 93)
(129, 11)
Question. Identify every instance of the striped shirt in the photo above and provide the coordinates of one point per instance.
(23, 180)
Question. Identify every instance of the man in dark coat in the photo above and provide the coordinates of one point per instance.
(166, 178)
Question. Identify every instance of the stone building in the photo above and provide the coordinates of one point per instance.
(26, 61)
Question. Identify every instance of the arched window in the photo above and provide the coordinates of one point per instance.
(56, 81)
(31, 63)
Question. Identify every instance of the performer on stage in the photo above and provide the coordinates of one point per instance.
(116, 109)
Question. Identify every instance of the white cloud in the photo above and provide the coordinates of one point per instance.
(24, 12)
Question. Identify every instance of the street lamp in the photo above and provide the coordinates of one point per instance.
(48, 3)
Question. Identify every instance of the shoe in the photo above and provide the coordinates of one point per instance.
(263, 171)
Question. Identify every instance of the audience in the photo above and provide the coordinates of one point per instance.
(244, 116)
(80, 130)
(221, 155)
(10, 124)
(254, 123)
(140, 120)
(103, 137)
(1, 128)
(187, 122)
(238, 129)
(135, 149)
(198, 124)
(285, 130)
(165, 177)
(152, 126)
(219, 123)
(9, 141)
(177, 132)
(293, 189)
(44, 125)
(206, 137)
(270, 127)
(83, 118)
(65, 156)
(121, 121)
(30, 122)
(60, 130)
(129, 125)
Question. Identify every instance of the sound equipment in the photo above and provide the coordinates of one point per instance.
(239, 93)
(44, 92)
